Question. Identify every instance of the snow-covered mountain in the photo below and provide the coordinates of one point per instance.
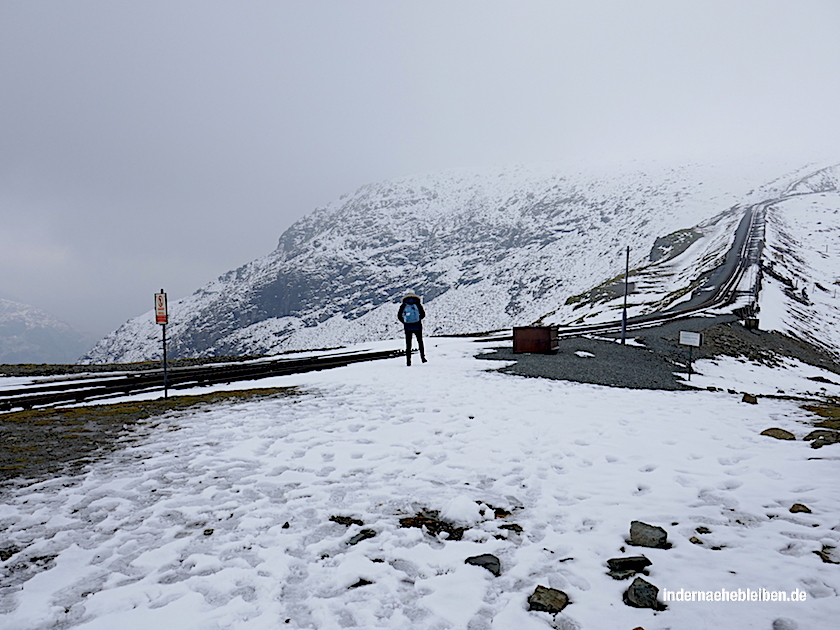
(29, 335)
(486, 250)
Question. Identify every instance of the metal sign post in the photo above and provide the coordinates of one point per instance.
(692, 340)
(161, 317)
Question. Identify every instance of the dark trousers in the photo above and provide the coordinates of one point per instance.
(419, 335)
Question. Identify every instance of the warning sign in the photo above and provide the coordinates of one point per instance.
(160, 307)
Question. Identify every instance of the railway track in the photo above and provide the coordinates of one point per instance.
(89, 388)
(723, 286)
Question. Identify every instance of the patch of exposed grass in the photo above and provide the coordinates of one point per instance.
(42, 442)
(830, 411)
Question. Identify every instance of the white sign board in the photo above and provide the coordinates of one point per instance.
(160, 308)
(690, 338)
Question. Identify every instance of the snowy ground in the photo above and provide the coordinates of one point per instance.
(188, 530)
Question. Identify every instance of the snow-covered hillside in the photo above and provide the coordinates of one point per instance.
(29, 335)
(486, 250)
(802, 261)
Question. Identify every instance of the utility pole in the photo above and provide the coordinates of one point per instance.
(624, 312)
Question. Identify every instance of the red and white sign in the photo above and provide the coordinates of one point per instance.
(160, 308)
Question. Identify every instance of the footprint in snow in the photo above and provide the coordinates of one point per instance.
(770, 473)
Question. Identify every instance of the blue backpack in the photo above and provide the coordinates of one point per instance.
(411, 314)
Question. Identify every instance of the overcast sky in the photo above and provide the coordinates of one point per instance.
(148, 145)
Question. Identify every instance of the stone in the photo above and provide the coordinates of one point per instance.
(644, 535)
(703, 530)
(826, 555)
(623, 568)
(798, 507)
(749, 398)
(818, 433)
(487, 561)
(429, 521)
(548, 600)
(362, 535)
(821, 437)
(347, 521)
(829, 424)
(8, 552)
(695, 541)
(779, 434)
(643, 594)
(361, 582)
(783, 623)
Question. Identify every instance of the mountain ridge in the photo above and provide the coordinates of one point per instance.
(485, 249)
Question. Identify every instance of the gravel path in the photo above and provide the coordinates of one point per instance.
(654, 359)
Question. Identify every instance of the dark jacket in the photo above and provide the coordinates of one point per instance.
(411, 299)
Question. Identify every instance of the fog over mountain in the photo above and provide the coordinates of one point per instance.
(29, 335)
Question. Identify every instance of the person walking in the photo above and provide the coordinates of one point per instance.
(411, 315)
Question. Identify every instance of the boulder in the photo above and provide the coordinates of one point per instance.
(488, 561)
(643, 594)
(548, 600)
(749, 398)
(798, 507)
(779, 434)
(644, 535)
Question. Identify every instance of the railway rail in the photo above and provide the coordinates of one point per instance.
(720, 289)
(121, 384)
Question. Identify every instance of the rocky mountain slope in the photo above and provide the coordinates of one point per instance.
(486, 250)
(29, 335)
